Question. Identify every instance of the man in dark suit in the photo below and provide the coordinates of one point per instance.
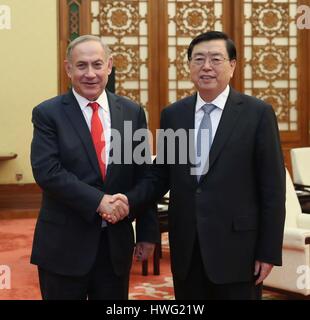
(83, 244)
(225, 221)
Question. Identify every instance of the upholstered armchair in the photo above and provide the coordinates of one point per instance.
(294, 274)
(301, 175)
(301, 166)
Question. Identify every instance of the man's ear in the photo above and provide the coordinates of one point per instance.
(110, 65)
(68, 67)
(233, 66)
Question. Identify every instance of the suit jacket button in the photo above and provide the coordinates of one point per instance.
(198, 190)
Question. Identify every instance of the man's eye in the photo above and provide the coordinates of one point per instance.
(98, 65)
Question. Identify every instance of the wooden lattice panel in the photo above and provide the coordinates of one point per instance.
(123, 26)
(270, 50)
(187, 19)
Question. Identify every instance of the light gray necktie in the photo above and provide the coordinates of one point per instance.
(204, 141)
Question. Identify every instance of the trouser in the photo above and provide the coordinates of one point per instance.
(197, 285)
(101, 283)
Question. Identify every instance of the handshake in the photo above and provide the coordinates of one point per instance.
(113, 208)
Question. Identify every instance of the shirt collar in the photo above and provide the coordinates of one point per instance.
(219, 101)
(83, 102)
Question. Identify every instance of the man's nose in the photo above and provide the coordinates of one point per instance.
(90, 72)
(207, 63)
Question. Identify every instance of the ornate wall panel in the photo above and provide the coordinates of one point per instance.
(149, 39)
(186, 19)
(74, 20)
(270, 51)
(123, 26)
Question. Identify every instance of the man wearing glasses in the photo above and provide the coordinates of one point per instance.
(226, 215)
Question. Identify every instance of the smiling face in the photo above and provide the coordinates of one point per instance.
(89, 69)
(211, 79)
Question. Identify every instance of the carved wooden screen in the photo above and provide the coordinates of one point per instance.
(270, 50)
(186, 19)
(74, 20)
(149, 39)
(123, 26)
(274, 68)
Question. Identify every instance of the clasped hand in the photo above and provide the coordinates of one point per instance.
(114, 208)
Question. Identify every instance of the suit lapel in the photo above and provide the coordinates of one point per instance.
(187, 122)
(227, 123)
(117, 123)
(75, 116)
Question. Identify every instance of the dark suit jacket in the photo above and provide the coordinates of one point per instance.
(65, 166)
(237, 209)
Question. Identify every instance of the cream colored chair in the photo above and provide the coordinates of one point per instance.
(301, 175)
(294, 274)
(301, 166)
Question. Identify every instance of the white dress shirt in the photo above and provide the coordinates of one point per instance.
(104, 115)
(215, 115)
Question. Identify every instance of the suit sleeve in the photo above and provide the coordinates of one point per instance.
(155, 183)
(52, 177)
(147, 225)
(270, 170)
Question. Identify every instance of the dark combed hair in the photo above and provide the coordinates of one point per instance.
(213, 35)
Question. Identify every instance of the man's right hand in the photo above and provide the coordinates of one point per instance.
(113, 208)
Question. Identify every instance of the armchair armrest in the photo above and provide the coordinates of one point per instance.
(295, 238)
(302, 187)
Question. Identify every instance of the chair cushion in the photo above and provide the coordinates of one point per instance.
(300, 165)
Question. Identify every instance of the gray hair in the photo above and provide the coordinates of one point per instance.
(86, 38)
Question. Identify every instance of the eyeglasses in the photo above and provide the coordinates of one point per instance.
(213, 60)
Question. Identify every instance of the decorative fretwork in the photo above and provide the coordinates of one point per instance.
(74, 18)
(187, 19)
(270, 56)
(123, 26)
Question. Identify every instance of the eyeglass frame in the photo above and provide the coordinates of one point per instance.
(205, 57)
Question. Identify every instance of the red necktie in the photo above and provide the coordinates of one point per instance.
(98, 137)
